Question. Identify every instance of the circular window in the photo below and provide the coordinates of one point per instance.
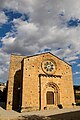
(48, 66)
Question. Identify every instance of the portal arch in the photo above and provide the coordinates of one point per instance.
(50, 95)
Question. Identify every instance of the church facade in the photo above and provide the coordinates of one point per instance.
(39, 82)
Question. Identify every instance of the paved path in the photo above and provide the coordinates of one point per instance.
(8, 114)
(12, 114)
(51, 112)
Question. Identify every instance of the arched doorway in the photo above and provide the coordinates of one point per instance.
(50, 96)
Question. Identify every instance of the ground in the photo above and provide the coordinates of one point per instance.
(56, 114)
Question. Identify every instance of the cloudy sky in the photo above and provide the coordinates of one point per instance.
(28, 27)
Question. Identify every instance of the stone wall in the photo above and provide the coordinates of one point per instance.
(14, 82)
(30, 79)
(62, 77)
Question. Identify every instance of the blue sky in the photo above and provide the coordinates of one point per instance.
(30, 27)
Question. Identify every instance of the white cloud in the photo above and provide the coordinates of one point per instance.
(71, 58)
(31, 28)
(45, 29)
(4, 65)
(25, 41)
(73, 62)
(8, 41)
(3, 18)
(32, 34)
(19, 5)
(78, 65)
(76, 73)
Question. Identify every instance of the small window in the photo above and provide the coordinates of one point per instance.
(50, 97)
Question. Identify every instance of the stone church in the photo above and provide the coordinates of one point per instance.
(39, 82)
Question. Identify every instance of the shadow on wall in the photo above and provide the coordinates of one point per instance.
(3, 97)
(17, 91)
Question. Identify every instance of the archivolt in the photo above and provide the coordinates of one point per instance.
(53, 85)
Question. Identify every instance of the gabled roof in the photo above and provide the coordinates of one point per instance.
(46, 53)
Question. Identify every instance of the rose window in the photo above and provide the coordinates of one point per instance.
(48, 66)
